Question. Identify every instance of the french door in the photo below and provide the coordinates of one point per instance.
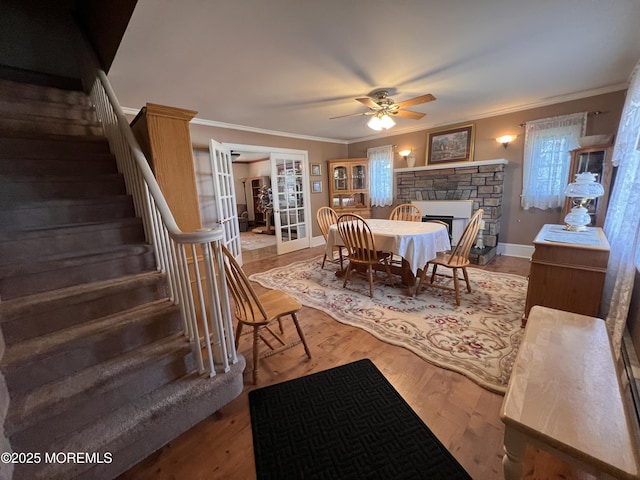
(225, 196)
(291, 211)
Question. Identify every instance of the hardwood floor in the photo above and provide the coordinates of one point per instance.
(464, 416)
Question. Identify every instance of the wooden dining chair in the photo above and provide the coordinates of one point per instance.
(327, 216)
(358, 239)
(260, 312)
(407, 211)
(458, 259)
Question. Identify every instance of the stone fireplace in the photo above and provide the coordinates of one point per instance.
(482, 182)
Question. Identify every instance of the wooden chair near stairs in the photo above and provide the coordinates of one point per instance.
(260, 312)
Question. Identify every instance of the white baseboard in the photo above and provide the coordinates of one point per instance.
(317, 241)
(515, 250)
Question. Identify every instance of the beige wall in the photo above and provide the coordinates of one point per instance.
(517, 226)
(319, 152)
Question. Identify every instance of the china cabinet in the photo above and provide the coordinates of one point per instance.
(349, 186)
(596, 160)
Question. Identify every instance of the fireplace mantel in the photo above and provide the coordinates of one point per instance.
(443, 166)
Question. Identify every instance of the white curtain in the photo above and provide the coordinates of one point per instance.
(623, 216)
(547, 144)
(381, 175)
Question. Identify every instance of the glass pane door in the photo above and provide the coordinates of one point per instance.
(340, 178)
(290, 180)
(225, 195)
(358, 178)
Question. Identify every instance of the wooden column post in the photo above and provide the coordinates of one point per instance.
(164, 136)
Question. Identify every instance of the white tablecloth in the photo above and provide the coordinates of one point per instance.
(416, 242)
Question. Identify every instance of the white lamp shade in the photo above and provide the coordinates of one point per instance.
(386, 121)
(585, 186)
(375, 123)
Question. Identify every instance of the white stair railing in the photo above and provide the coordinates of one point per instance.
(178, 253)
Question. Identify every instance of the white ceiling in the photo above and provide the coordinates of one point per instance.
(290, 65)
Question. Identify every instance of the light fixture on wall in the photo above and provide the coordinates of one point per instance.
(381, 121)
(505, 140)
(408, 157)
(582, 191)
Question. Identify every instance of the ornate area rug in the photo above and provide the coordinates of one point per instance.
(479, 338)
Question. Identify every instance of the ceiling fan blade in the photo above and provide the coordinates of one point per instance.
(352, 115)
(409, 114)
(416, 101)
(368, 102)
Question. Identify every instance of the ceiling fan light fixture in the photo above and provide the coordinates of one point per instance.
(386, 121)
(375, 123)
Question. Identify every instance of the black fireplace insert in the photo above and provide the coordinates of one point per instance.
(443, 218)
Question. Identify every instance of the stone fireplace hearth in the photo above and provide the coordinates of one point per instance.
(482, 182)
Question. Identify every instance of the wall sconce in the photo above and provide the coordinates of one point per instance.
(409, 157)
(505, 140)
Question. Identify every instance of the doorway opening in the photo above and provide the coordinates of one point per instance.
(271, 186)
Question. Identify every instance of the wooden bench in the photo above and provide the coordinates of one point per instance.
(564, 397)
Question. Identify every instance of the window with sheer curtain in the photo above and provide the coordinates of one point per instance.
(381, 175)
(547, 159)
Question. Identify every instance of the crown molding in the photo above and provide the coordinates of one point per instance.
(542, 103)
(244, 128)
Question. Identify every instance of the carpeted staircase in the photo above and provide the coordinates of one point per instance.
(94, 358)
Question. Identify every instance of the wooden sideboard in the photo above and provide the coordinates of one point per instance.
(567, 270)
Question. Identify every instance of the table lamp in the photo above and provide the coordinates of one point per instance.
(582, 191)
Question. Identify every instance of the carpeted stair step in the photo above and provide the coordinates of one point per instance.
(93, 355)
(65, 145)
(18, 189)
(53, 213)
(45, 164)
(30, 364)
(27, 91)
(22, 124)
(20, 108)
(21, 279)
(43, 313)
(139, 428)
(66, 406)
(31, 245)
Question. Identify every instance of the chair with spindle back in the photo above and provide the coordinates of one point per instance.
(357, 237)
(259, 312)
(458, 259)
(327, 216)
(407, 212)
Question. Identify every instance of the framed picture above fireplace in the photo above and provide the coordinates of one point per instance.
(451, 145)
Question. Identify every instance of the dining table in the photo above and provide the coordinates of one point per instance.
(415, 242)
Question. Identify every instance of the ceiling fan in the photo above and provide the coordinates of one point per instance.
(383, 108)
